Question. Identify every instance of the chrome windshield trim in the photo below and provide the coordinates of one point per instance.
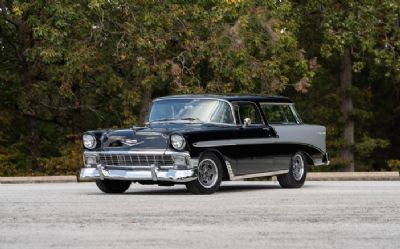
(223, 100)
(188, 122)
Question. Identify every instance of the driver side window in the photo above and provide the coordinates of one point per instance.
(247, 110)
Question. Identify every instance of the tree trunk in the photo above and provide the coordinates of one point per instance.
(25, 41)
(77, 113)
(34, 145)
(347, 108)
(34, 138)
(146, 101)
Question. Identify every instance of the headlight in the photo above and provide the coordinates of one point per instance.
(89, 141)
(178, 142)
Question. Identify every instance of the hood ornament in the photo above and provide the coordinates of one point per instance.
(131, 142)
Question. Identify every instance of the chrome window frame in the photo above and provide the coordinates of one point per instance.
(257, 108)
(291, 108)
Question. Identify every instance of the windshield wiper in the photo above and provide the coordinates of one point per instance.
(193, 119)
(163, 119)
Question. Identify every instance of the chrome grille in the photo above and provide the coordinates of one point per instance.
(134, 160)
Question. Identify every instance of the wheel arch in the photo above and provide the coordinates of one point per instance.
(217, 153)
(310, 152)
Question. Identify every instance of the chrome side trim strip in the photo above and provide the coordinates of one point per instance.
(232, 176)
(273, 173)
(248, 141)
(230, 142)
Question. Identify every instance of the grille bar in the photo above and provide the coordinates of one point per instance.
(135, 160)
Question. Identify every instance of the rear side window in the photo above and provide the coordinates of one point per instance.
(279, 114)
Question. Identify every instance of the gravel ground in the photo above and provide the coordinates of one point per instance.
(241, 215)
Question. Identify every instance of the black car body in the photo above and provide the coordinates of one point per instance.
(201, 140)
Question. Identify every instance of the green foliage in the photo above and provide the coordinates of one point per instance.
(68, 163)
(370, 29)
(69, 66)
(367, 145)
(394, 164)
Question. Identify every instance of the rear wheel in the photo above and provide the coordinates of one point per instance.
(113, 186)
(209, 175)
(296, 176)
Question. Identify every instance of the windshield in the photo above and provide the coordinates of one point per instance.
(201, 110)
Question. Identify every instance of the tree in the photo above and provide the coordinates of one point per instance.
(213, 47)
(358, 35)
(71, 66)
(255, 50)
(47, 64)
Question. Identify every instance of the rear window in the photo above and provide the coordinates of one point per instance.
(280, 114)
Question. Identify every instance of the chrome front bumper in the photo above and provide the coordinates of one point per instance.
(151, 172)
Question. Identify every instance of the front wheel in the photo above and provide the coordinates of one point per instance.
(209, 175)
(296, 176)
(113, 186)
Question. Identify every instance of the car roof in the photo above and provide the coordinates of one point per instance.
(232, 98)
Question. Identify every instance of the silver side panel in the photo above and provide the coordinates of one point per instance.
(301, 133)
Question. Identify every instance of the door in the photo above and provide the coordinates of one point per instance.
(252, 140)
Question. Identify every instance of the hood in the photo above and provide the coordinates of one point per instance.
(138, 138)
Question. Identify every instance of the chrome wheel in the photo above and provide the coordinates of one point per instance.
(297, 167)
(207, 173)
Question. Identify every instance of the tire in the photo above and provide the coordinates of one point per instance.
(209, 178)
(297, 174)
(113, 186)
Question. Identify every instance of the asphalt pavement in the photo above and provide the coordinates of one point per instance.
(362, 214)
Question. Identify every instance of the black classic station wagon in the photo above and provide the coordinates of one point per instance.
(201, 140)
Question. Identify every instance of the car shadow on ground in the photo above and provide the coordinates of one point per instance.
(231, 188)
(252, 187)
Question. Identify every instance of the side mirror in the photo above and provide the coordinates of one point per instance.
(246, 122)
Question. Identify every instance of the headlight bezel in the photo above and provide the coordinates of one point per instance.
(89, 141)
(178, 142)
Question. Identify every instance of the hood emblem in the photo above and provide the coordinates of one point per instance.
(131, 142)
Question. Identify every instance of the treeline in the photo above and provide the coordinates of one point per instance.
(72, 65)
